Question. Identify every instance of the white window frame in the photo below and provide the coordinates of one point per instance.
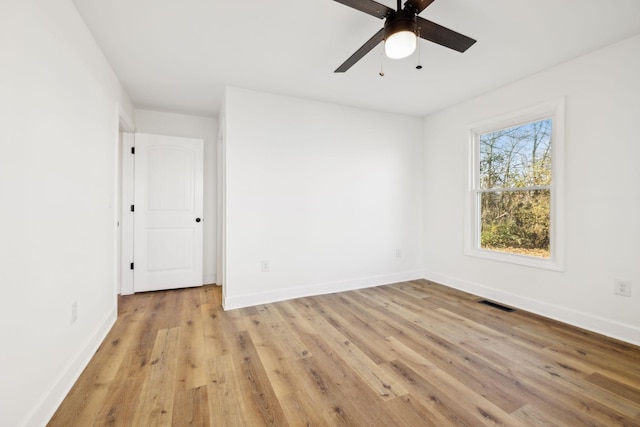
(555, 111)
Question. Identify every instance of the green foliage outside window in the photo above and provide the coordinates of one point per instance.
(515, 180)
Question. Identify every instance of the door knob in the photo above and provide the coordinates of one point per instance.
(198, 220)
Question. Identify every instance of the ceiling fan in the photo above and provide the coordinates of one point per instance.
(401, 29)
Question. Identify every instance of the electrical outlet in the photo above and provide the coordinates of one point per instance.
(74, 312)
(398, 253)
(622, 287)
(264, 266)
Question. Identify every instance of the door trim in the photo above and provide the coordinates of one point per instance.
(126, 224)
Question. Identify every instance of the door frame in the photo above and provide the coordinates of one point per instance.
(123, 237)
(126, 196)
(126, 221)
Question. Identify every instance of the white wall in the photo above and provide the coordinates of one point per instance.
(189, 126)
(602, 194)
(58, 133)
(325, 193)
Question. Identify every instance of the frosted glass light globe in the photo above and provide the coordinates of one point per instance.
(400, 45)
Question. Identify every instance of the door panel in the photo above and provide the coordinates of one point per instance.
(168, 212)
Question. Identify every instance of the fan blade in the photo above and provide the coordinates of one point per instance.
(368, 6)
(417, 5)
(360, 53)
(443, 36)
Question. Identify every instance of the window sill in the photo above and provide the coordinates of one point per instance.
(528, 261)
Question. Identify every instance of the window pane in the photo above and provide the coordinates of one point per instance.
(516, 222)
(519, 156)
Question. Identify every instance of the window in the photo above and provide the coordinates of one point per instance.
(514, 211)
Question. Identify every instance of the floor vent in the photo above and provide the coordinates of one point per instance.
(496, 305)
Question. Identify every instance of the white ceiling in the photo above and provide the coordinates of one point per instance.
(178, 55)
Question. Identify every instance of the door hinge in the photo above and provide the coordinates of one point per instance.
(133, 208)
(131, 265)
(133, 150)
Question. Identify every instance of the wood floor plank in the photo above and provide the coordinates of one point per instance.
(412, 412)
(532, 416)
(291, 385)
(256, 387)
(227, 407)
(215, 337)
(191, 369)
(294, 318)
(443, 407)
(124, 389)
(121, 402)
(349, 398)
(410, 354)
(280, 366)
(431, 342)
(354, 330)
(190, 408)
(320, 389)
(474, 402)
(279, 331)
(155, 406)
(384, 385)
(621, 389)
(574, 409)
(491, 389)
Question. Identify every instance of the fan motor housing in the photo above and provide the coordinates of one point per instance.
(401, 20)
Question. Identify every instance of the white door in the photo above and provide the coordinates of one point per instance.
(168, 212)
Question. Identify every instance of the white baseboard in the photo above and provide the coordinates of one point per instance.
(52, 399)
(610, 328)
(248, 300)
(208, 279)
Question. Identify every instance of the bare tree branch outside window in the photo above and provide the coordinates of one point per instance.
(515, 189)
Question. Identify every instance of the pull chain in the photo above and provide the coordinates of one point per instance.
(381, 73)
(419, 66)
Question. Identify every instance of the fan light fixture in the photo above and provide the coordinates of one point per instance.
(406, 26)
(400, 45)
(400, 38)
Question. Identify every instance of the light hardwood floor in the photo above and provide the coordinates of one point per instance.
(408, 354)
